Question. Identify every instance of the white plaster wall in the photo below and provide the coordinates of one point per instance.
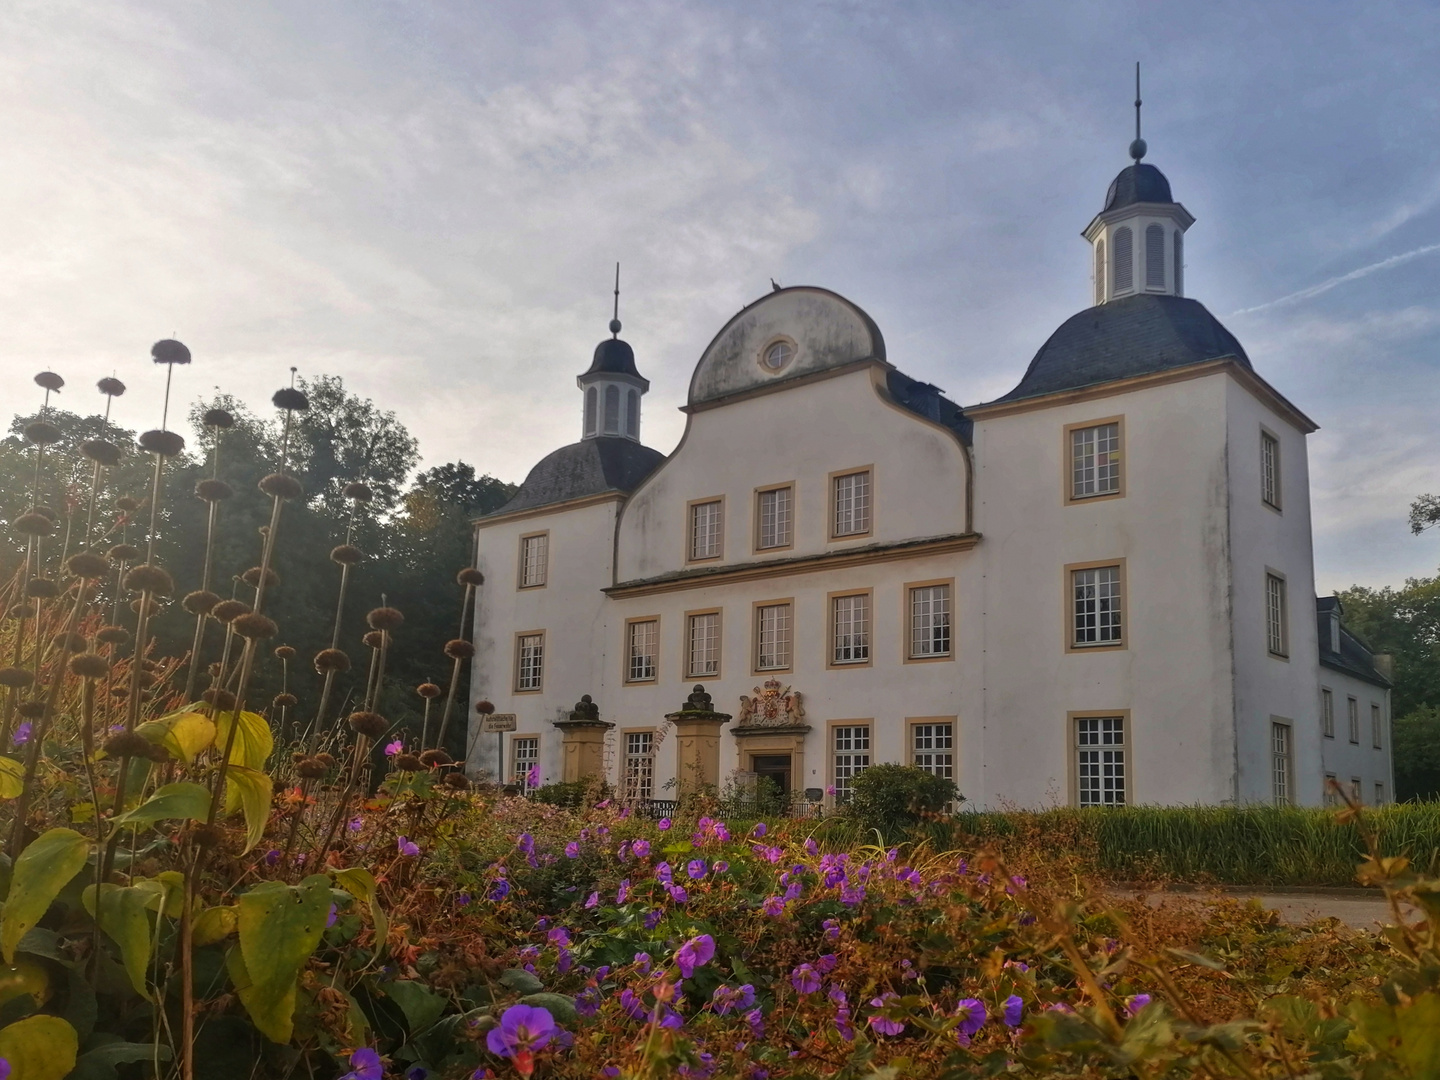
(1261, 538)
(1346, 759)
(1170, 528)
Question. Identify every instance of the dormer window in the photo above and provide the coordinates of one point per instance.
(777, 356)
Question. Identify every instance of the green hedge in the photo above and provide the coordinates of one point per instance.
(1259, 845)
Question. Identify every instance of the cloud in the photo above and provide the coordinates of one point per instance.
(1330, 283)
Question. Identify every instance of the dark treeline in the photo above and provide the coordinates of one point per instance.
(414, 532)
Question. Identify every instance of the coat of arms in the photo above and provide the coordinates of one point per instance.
(773, 705)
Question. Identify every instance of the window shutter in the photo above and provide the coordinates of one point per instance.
(1179, 263)
(590, 399)
(1123, 258)
(632, 414)
(1154, 257)
(612, 410)
(1100, 271)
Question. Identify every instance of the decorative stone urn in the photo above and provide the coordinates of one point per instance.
(697, 730)
(583, 741)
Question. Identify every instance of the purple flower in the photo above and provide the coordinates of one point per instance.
(671, 1019)
(811, 847)
(419, 1072)
(695, 868)
(773, 906)
(587, 1001)
(525, 843)
(697, 952)
(559, 935)
(830, 790)
(837, 995)
(407, 847)
(805, 979)
(773, 854)
(972, 1017)
(792, 891)
(726, 998)
(532, 778)
(391, 749)
(572, 850)
(272, 857)
(1014, 1009)
(22, 734)
(884, 1025)
(592, 901)
(852, 896)
(640, 848)
(663, 824)
(756, 1019)
(642, 961)
(832, 929)
(1134, 1004)
(652, 918)
(825, 963)
(330, 919)
(664, 874)
(720, 866)
(631, 1004)
(759, 830)
(622, 892)
(843, 1025)
(355, 824)
(500, 890)
(678, 893)
(463, 900)
(364, 1065)
(522, 1029)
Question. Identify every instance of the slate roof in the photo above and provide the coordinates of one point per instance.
(614, 357)
(589, 467)
(1353, 658)
(929, 401)
(1138, 183)
(1136, 335)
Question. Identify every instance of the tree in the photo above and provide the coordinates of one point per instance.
(343, 437)
(1415, 744)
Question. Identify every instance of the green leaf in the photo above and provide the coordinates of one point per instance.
(1197, 958)
(420, 1005)
(183, 734)
(99, 1063)
(521, 981)
(41, 871)
(250, 790)
(172, 889)
(39, 1047)
(253, 742)
(280, 925)
(1408, 1034)
(12, 778)
(183, 800)
(123, 914)
(360, 883)
(214, 924)
(559, 1006)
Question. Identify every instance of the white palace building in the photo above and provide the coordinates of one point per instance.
(1097, 589)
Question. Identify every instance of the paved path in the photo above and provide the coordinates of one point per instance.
(1358, 908)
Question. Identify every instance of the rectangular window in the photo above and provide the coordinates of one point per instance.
(1375, 725)
(1327, 714)
(641, 650)
(1280, 764)
(1096, 605)
(851, 502)
(529, 661)
(774, 518)
(639, 779)
(705, 530)
(1100, 760)
(773, 636)
(929, 621)
(1332, 790)
(702, 653)
(1355, 791)
(1276, 638)
(850, 629)
(1270, 470)
(1379, 793)
(534, 556)
(1353, 715)
(933, 749)
(851, 757)
(1095, 460)
(525, 755)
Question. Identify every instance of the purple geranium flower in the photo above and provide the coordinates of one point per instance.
(525, 843)
(805, 979)
(811, 847)
(697, 952)
(592, 901)
(825, 963)
(407, 846)
(972, 1017)
(652, 918)
(272, 857)
(832, 928)
(355, 824)
(330, 919)
(678, 893)
(720, 866)
(759, 830)
(22, 734)
(391, 749)
(364, 1065)
(640, 848)
(1134, 1004)
(532, 778)
(523, 1029)
(622, 892)
(773, 906)
(572, 850)
(663, 824)
(630, 1002)
(884, 1025)
(695, 868)
(1013, 1010)
(500, 890)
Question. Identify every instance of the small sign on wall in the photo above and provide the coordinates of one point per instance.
(497, 722)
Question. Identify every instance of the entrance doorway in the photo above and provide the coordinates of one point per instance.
(772, 772)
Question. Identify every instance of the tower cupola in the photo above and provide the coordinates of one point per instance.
(1137, 241)
(612, 387)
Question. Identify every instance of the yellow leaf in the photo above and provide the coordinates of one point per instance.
(249, 790)
(360, 883)
(122, 915)
(39, 1048)
(81, 812)
(183, 734)
(214, 924)
(42, 870)
(253, 742)
(172, 882)
(12, 778)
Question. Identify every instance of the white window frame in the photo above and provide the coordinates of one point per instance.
(1096, 606)
(1352, 716)
(774, 636)
(642, 650)
(1100, 758)
(1282, 763)
(851, 616)
(529, 661)
(1332, 782)
(638, 769)
(524, 752)
(849, 756)
(1379, 793)
(1277, 619)
(1270, 492)
(930, 621)
(852, 503)
(702, 644)
(705, 530)
(1377, 724)
(1327, 712)
(1094, 454)
(775, 518)
(534, 560)
(932, 747)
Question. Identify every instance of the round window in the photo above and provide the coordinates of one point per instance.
(778, 355)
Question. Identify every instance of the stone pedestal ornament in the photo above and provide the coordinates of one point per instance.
(583, 741)
(697, 729)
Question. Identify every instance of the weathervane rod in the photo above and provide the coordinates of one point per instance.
(1137, 99)
(616, 315)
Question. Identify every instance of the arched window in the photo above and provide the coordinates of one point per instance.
(632, 414)
(1154, 257)
(1179, 263)
(590, 411)
(1100, 271)
(1124, 261)
(612, 410)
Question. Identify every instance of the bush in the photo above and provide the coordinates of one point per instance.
(893, 798)
(571, 794)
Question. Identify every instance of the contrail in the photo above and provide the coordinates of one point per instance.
(1326, 286)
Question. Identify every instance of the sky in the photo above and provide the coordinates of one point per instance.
(428, 199)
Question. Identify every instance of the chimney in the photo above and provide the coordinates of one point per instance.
(1385, 664)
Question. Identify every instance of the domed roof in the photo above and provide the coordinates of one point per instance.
(614, 357)
(1138, 183)
(589, 467)
(1133, 336)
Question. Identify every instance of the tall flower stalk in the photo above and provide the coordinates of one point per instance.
(212, 491)
(460, 648)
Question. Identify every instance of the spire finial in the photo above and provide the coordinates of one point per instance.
(1137, 148)
(615, 319)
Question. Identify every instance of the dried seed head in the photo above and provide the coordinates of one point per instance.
(285, 701)
(358, 492)
(227, 611)
(164, 443)
(346, 555)
(219, 699)
(89, 665)
(484, 708)
(374, 639)
(213, 490)
(112, 635)
(127, 504)
(49, 380)
(327, 660)
(101, 451)
(126, 744)
(139, 604)
(470, 576)
(205, 835)
(328, 760)
(431, 758)
(408, 763)
(200, 602)
(147, 679)
(297, 756)
(88, 565)
(33, 524)
(284, 652)
(459, 649)
(169, 351)
(369, 724)
(111, 387)
(255, 625)
(457, 781)
(290, 399)
(48, 512)
(385, 618)
(428, 690)
(311, 769)
(42, 432)
(72, 642)
(16, 677)
(218, 418)
(123, 553)
(41, 589)
(149, 578)
(281, 486)
(31, 710)
(251, 577)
